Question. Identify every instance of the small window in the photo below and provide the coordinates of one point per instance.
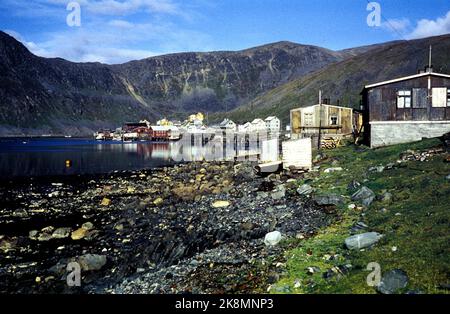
(333, 120)
(439, 97)
(308, 119)
(448, 97)
(404, 99)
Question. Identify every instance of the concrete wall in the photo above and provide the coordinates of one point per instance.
(390, 133)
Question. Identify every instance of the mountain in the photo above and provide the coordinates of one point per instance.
(343, 81)
(55, 96)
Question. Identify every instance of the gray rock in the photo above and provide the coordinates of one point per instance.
(20, 213)
(305, 189)
(376, 169)
(327, 200)
(33, 234)
(92, 261)
(272, 238)
(333, 169)
(88, 225)
(364, 195)
(61, 233)
(279, 193)
(363, 240)
(448, 177)
(393, 281)
(43, 237)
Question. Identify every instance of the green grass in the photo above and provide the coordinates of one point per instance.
(416, 222)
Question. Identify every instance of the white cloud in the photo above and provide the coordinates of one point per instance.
(32, 46)
(396, 25)
(114, 7)
(120, 24)
(427, 28)
(116, 41)
(56, 8)
(110, 31)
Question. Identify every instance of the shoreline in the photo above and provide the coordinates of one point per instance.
(160, 226)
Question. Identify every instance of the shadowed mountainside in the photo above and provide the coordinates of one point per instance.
(40, 95)
(343, 81)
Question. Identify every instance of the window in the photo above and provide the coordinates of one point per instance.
(439, 97)
(448, 97)
(334, 120)
(308, 119)
(404, 99)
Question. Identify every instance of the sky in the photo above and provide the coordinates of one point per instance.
(116, 31)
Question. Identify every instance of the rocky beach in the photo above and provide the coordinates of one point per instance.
(191, 228)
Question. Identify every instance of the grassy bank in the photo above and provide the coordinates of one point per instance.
(414, 222)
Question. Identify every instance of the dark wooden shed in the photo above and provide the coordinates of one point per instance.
(407, 109)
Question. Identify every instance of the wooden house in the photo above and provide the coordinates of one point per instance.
(407, 109)
(330, 120)
(160, 133)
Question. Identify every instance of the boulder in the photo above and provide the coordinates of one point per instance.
(362, 240)
(92, 261)
(393, 281)
(333, 169)
(272, 238)
(79, 234)
(88, 225)
(279, 193)
(305, 189)
(220, 204)
(328, 200)
(20, 213)
(61, 233)
(364, 195)
(43, 237)
(33, 234)
(7, 245)
(105, 202)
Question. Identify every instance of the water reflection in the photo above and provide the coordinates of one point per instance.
(37, 157)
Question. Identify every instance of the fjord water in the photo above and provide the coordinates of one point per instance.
(25, 157)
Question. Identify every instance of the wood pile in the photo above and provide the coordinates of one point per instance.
(330, 143)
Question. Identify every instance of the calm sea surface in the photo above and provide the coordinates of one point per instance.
(24, 157)
(47, 156)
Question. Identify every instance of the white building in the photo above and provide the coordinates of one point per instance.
(258, 125)
(273, 124)
(175, 133)
(227, 124)
(247, 127)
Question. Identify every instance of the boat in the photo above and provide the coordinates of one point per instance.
(103, 135)
(268, 167)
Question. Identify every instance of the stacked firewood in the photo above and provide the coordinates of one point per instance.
(330, 143)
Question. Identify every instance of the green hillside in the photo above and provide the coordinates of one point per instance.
(344, 81)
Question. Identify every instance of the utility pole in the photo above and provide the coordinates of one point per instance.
(429, 60)
(320, 120)
(429, 76)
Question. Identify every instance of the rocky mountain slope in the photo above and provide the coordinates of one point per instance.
(39, 95)
(343, 81)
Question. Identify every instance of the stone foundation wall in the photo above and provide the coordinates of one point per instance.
(384, 134)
